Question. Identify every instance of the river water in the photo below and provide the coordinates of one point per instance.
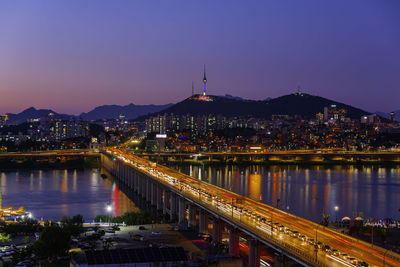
(366, 191)
(51, 194)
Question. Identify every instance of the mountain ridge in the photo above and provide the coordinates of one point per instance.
(305, 105)
(302, 104)
(130, 111)
(33, 113)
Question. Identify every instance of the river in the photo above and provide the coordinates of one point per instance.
(366, 191)
(52, 194)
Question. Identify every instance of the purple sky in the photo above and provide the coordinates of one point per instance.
(71, 56)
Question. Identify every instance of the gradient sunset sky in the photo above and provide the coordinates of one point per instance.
(71, 56)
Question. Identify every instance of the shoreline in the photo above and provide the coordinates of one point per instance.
(281, 163)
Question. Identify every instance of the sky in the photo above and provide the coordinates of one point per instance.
(71, 56)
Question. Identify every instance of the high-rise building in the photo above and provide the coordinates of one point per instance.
(334, 113)
(392, 117)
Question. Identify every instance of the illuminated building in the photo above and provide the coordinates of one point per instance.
(369, 119)
(392, 117)
(320, 116)
(334, 113)
(56, 129)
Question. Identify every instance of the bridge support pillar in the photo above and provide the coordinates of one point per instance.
(181, 211)
(136, 184)
(159, 197)
(144, 186)
(192, 216)
(165, 200)
(134, 181)
(234, 242)
(218, 226)
(152, 194)
(254, 253)
(141, 185)
(277, 259)
(148, 190)
(173, 207)
(203, 222)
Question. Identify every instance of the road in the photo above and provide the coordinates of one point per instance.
(293, 234)
(68, 152)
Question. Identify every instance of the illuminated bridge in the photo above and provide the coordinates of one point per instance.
(50, 153)
(293, 239)
(291, 156)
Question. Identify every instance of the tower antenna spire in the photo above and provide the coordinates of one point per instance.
(192, 89)
(204, 81)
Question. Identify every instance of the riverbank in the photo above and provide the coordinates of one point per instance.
(217, 163)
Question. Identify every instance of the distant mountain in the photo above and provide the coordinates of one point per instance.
(130, 111)
(304, 105)
(32, 113)
(383, 114)
(387, 115)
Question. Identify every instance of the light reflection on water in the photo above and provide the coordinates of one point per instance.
(52, 194)
(367, 191)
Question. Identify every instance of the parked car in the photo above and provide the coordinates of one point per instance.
(109, 230)
(137, 237)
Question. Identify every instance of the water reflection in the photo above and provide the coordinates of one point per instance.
(369, 191)
(51, 194)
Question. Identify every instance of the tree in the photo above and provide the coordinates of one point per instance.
(52, 242)
(5, 238)
(384, 233)
(73, 226)
(129, 218)
(325, 218)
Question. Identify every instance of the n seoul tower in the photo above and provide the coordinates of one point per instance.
(204, 81)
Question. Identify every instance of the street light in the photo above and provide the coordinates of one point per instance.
(109, 210)
(336, 211)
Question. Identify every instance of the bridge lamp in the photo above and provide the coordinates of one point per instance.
(109, 208)
(336, 211)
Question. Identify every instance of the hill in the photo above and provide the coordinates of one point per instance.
(304, 105)
(130, 111)
(32, 113)
(387, 115)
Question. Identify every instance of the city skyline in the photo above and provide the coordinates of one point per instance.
(112, 54)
